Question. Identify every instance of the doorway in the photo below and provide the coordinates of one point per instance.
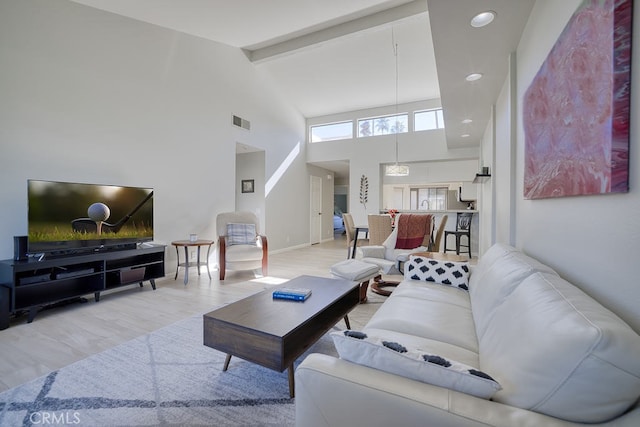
(315, 220)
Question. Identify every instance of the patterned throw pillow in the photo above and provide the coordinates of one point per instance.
(396, 358)
(241, 234)
(442, 272)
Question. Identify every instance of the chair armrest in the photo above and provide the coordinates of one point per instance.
(222, 248)
(262, 241)
(373, 251)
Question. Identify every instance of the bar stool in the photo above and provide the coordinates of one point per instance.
(463, 228)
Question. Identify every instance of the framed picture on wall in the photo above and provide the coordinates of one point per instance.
(576, 110)
(247, 185)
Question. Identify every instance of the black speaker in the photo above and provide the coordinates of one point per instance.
(19, 248)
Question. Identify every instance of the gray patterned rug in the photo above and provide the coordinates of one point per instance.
(166, 378)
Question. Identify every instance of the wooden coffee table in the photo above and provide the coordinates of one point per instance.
(274, 333)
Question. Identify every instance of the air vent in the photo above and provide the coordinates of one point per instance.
(242, 123)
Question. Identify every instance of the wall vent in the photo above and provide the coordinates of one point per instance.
(242, 123)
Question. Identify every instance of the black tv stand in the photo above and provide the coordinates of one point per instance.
(34, 285)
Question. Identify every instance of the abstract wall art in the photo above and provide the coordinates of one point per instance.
(576, 110)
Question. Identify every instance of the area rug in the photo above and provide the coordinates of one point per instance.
(166, 378)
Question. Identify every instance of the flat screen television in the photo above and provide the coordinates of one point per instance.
(67, 218)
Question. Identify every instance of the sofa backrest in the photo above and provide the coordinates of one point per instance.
(500, 270)
(557, 351)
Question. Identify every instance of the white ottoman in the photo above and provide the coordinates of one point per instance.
(356, 271)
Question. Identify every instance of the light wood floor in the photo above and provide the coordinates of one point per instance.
(60, 336)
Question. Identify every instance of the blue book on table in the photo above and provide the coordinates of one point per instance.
(295, 294)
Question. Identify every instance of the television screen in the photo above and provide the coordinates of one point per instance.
(65, 216)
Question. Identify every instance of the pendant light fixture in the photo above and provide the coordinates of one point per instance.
(396, 169)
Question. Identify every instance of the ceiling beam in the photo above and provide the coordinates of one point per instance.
(305, 41)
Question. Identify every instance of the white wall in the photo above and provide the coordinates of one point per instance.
(250, 166)
(504, 155)
(90, 96)
(592, 241)
(365, 155)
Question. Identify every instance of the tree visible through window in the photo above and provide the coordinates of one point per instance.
(385, 125)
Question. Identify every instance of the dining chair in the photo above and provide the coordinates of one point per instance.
(379, 228)
(435, 247)
(350, 230)
(463, 229)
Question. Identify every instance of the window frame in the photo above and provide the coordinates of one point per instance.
(439, 119)
(341, 122)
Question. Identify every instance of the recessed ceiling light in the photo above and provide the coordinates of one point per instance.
(467, 121)
(465, 135)
(483, 18)
(473, 77)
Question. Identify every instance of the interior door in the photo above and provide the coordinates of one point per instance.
(316, 210)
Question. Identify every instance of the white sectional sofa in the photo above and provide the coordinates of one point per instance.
(542, 352)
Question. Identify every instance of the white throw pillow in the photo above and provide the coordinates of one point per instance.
(442, 272)
(395, 358)
(241, 234)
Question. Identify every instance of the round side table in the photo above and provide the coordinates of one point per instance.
(186, 244)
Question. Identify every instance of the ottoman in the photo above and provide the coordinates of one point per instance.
(356, 271)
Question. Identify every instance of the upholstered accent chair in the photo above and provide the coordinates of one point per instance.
(240, 244)
(387, 255)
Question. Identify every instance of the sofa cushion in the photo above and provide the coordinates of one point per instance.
(241, 234)
(430, 291)
(442, 272)
(397, 358)
(241, 253)
(557, 351)
(489, 287)
(493, 254)
(446, 316)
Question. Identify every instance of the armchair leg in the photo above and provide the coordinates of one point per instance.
(363, 291)
(222, 272)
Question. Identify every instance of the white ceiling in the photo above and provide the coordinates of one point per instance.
(332, 56)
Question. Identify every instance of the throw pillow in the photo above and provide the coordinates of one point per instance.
(241, 234)
(399, 359)
(442, 272)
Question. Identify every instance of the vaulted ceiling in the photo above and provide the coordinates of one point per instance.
(333, 56)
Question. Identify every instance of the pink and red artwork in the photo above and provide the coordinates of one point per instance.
(576, 110)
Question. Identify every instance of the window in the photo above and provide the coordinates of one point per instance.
(383, 125)
(332, 131)
(427, 120)
(432, 198)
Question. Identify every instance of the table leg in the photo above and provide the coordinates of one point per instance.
(292, 387)
(355, 244)
(346, 321)
(226, 362)
(208, 272)
(186, 265)
(177, 263)
(198, 260)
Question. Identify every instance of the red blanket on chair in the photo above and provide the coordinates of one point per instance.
(413, 230)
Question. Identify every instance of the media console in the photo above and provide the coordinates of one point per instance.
(33, 284)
